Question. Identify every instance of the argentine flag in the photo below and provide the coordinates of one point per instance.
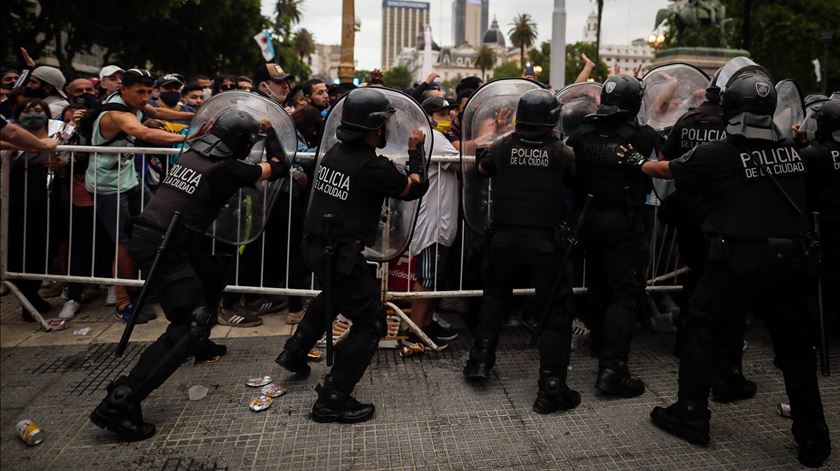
(263, 38)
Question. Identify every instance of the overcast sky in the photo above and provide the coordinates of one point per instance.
(623, 20)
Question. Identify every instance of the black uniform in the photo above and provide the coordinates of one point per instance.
(757, 259)
(530, 178)
(613, 238)
(352, 183)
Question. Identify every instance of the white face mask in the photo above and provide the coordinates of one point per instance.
(207, 93)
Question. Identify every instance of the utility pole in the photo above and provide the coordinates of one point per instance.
(346, 67)
(557, 78)
(826, 39)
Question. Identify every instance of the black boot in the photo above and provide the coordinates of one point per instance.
(814, 447)
(684, 419)
(481, 361)
(334, 405)
(210, 352)
(553, 394)
(120, 416)
(294, 356)
(615, 380)
(732, 386)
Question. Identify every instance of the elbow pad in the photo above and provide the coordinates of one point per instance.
(416, 190)
(278, 170)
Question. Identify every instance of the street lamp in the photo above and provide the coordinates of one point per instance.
(656, 41)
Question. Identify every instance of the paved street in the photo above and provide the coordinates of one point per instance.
(427, 417)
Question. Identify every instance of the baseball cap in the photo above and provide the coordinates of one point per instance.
(168, 79)
(52, 76)
(271, 72)
(109, 70)
(132, 76)
(433, 104)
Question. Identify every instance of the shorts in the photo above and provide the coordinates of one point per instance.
(115, 210)
(431, 263)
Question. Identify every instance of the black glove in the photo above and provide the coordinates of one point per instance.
(273, 148)
(633, 159)
(416, 163)
(279, 169)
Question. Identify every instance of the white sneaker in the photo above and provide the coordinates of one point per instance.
(69, 310)
(111, 298)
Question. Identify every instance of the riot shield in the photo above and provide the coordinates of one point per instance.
(578, 100)
(243, 218)
(488, 116)
(808, 125)
(397, 222)
(734, 67)
(670, 91)
(789, 108)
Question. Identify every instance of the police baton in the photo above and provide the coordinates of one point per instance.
(164, 243)
(825, 367)
(571, 242)
(329, 258)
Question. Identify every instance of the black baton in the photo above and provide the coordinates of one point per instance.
(570, 245)
(329, 258)
(164, 243)
(825, 367)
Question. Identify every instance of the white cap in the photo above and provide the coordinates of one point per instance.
(52, 76)
(108, 71)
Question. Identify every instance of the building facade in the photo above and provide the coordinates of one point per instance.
(324, 62)
(469, 20)
(627, 56)
(402, 21)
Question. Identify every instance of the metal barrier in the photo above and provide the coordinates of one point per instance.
(60, 207)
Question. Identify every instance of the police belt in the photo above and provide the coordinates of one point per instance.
(183, 236)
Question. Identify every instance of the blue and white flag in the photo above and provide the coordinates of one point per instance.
(263, 38)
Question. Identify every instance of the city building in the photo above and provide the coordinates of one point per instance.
(402, 21)
(627, 56)
(469, 20)
(324, 62)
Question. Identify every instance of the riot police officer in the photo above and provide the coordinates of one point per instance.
(531, 169)
(351, 184)
(823, 159)
(685, 213)
(753, 185)
(188, 280)
(613, 238)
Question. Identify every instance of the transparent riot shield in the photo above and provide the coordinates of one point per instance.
(578, 100)
(789, 108)
(243, 218)
(670, 91)
(735, 67)
(397, 222)
(488, 116)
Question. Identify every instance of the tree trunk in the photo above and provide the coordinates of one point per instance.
(522, 56)
(598, 35)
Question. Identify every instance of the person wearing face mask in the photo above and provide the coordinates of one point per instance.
(47, 83)
(192, 95)
(169, 98)
(82, 92)
(206, 84)
(28, 203)
(273, 83)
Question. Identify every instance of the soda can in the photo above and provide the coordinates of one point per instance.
(261, 403)
(259, 381)
(272, 390)
(57, 324)
(411, 350)
(784, 409)
(30, 432)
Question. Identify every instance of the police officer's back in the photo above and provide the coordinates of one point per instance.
(531, 172)
(613, 237)
(753, 185)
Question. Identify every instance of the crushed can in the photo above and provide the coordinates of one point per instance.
(260, 404)
(273, 390)
(57, 324)
(784, 409)
(259, 382)
(30, 432)
(412, 349)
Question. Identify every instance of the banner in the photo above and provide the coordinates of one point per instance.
(263, 38)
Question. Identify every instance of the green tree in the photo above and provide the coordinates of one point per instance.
(523, 33)
(303, 42)
(363, 75)
(288, 13)
(574, 63)
(485, 59)
(541, 56)
(506, 70)
(398, 77)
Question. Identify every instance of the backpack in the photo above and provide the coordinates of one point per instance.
(87, 123)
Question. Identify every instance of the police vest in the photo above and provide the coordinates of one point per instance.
(698, 126)
(528, 188)
(598, 170)
(750, 204)
(186, 188)
(337, 190)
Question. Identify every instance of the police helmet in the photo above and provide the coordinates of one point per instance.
(233, 134)
(749, 92)
(621, 94)
(364, 110)
(537, 109)
(828, 120)
(814, 99)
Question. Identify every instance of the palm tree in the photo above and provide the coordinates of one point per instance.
(485, 59)
(303, 42)
(289, 13)
(523, 34)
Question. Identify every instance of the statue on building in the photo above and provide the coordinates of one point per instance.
(689, 17)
